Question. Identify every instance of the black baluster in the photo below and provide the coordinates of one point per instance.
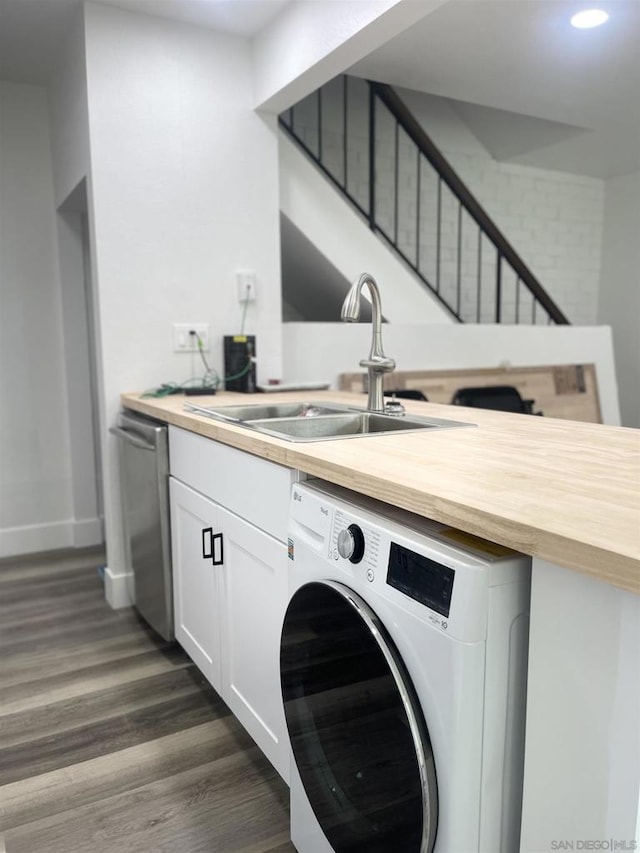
(459, 270)
(345, 126)
(438, 233)
(396, 171)
(320, 125)
(478, 297)
(499, 288)
(372, 154)
(418, 209)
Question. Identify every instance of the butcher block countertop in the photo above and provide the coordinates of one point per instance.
(564, 491)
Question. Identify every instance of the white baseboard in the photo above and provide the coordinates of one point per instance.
(87, 532)
(118, 588)
(35, 537)
(32, 538)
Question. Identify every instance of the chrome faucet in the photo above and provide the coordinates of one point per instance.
(377, 364)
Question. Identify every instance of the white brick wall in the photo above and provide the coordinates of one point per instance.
(554, 220)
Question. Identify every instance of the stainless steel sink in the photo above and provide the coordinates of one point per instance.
(346, 426)
(311, 422)
(257, 411)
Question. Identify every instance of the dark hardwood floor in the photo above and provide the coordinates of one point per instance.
(110, 740)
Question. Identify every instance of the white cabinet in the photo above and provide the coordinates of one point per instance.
(254, 601)
(196, 580)
(228, 524)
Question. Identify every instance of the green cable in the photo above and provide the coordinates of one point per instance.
(244, 370)
(168, 388)
(210, 378)
(244, 314)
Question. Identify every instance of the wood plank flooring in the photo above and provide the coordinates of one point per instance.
(110, 739)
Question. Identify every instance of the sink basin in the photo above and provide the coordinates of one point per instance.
(352, 425)
(311, 422)
(257, 411)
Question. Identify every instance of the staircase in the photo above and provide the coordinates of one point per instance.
(365, 140)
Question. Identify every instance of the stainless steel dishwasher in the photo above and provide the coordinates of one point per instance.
(144, 481)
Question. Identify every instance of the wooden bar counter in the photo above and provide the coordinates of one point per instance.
(564, 491)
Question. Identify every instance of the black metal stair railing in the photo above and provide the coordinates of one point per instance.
(367, 142)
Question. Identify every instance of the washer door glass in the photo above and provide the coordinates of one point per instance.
(357, 733)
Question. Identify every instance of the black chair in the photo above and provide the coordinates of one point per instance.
(406, 393)
(503, 398)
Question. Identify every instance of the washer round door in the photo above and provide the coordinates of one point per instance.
(357, 732)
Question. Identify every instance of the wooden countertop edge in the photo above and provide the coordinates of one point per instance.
(610, 566)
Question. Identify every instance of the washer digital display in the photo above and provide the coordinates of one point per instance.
(420, 578)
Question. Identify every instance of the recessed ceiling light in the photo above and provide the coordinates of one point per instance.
(589, 18)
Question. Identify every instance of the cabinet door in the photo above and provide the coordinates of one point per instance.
(255, 598)
(196, 579)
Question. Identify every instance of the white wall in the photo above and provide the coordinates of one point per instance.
(184, 192)
(619, 303)
(446, 347)
(82, 402)
(35, 476)
(69, 117)
(71, 179)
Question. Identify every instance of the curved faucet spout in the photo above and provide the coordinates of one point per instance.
(378, 363)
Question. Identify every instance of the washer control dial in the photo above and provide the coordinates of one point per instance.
(351, 543)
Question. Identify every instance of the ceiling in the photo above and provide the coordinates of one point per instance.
(32, 30)
(531, 88)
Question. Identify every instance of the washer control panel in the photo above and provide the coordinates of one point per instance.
(439, 575)
(351, 543)
(421, 578)
(357, 543)
(413, 574)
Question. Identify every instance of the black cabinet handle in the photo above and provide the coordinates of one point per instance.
(209, 538)
(207, 543)
(217, 537)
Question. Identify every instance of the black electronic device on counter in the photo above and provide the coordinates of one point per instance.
(199, 391)
(239, 363)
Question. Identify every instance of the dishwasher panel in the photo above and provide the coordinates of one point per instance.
(144, 480)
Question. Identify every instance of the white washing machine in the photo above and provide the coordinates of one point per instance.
(403, 667)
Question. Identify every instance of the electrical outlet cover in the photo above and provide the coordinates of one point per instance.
(246, 285)
(184, 341)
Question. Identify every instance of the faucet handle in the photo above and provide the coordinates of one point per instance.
(394, 407)
(378, 364)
